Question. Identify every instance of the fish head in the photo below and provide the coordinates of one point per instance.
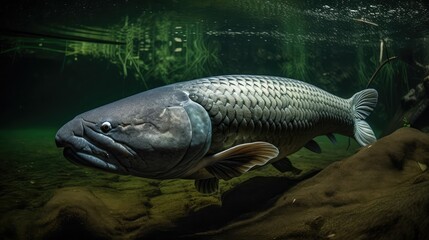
(159, 134)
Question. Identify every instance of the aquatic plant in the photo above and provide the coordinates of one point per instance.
(181, 52)
(296, 64)
(378, 69)
(201, 57)
(129, 57)
(152, 47)
(294, 50)
(405, 122)
(394, 81)
(363, 71)
(390, 78)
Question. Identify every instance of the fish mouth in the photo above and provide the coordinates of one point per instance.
(84, 146)
(89, 160)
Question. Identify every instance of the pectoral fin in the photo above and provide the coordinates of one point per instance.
(285, 165)
(239, 159)
(313, 146)
(207, 186)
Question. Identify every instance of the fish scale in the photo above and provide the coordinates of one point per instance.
(213, 128)
(272, 109)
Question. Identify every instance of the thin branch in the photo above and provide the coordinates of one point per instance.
(379, 68)
(362, 20)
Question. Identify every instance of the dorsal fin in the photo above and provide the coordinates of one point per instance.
(332, 138)
(313, 146)
(239, 159)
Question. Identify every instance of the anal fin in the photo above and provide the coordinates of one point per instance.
(313, 146)
(285, 165)
(332, 138)
(239, 159)
(207, 186)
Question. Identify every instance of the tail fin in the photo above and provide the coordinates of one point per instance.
(363, 103)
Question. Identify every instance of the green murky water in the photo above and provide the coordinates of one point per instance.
(61, 59)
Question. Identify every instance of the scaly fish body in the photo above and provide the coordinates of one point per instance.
(213, 128)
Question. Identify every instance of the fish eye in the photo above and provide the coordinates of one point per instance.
(106, 127)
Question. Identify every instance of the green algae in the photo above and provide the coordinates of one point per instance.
(34, 170)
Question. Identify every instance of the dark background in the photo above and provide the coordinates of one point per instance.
(46, 89)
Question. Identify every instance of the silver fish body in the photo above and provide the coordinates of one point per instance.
(213, 128)
(285, 112)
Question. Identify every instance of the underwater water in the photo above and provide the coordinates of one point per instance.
(59, 59)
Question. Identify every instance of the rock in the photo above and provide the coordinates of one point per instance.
(74, 213)
(257, 193)
(379, 193)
